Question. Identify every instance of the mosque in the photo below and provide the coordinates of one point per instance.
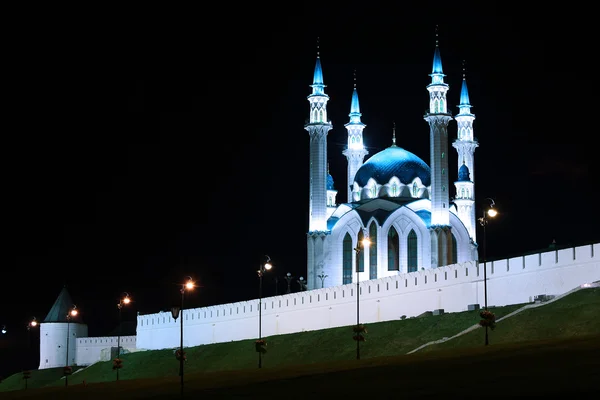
(397, 201)
(422, 253)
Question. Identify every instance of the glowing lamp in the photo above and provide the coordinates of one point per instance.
(189, 285)
(492, 213)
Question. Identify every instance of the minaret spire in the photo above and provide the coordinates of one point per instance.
(355, 151)
(394, 135)
(465, 145)
(438, 119)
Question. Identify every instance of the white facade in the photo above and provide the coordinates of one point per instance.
(53, 343)
(451, 288)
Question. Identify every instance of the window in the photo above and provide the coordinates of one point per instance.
(347, 259)
(373, 251)
(454, 250)
(393, 250)
(362, 254)
(412, 251)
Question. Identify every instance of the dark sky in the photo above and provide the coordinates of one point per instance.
(163, 145)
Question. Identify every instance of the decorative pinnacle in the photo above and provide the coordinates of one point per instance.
(394, 134)
(436, 36)
(463, 68)
(317, 47)
(355, 78)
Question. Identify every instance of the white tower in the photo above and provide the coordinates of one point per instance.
(438, 119)
(355, 152)
(318, 126)
(54, 331)
(465, 144)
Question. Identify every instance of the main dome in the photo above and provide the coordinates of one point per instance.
(393, 161)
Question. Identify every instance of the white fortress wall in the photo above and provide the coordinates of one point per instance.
(94, 349)
(451, 288)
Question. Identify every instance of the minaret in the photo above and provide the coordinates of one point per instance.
(355, 152)
(438, 119)
(318, 126)
(465, 144)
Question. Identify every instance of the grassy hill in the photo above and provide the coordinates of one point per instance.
(576, 316)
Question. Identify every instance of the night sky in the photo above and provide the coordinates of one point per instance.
(157, 148)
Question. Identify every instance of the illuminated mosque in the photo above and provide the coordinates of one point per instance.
(401, 204)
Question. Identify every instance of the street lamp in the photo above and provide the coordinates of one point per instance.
(262, 268)
(302, 283)
(288, 278)
(122, 301)
(175, 311)
(365, 243)
(322, 276)
(26, 373)
(489, 213)
(71, 314)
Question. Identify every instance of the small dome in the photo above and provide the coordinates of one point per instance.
(393, 161)
(463, 173)
(330, 182)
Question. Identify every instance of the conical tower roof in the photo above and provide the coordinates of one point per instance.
(61, 307)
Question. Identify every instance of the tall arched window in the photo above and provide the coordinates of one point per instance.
(347, 259)
(362, 254)
(412, 251)
(393, 250)
(454, 250)
(373, 251)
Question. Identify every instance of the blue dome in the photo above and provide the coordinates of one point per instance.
(393, 161)
(463, 173)
(330, 182)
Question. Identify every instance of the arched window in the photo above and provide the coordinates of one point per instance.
(415, 189)
(373, 251)
(362, 254)
(454, 250)
(412, 251)
(393, 250)
(347, 259)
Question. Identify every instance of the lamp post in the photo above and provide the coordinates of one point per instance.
(288, 278)
(322, 277)
(72, 313)
(489, 213)
(122, 301)
(261, 270)
(175, 312)
(357, 249)
(26, 373)
(302, 284)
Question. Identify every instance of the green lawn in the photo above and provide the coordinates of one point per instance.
(576, 316)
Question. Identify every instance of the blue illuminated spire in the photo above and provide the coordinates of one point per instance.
(437, 58)
(464, 92)
(354, 107)
(318, 86)
(437, 73)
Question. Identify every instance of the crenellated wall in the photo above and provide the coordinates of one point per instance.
(451, 288)
(93, 349)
